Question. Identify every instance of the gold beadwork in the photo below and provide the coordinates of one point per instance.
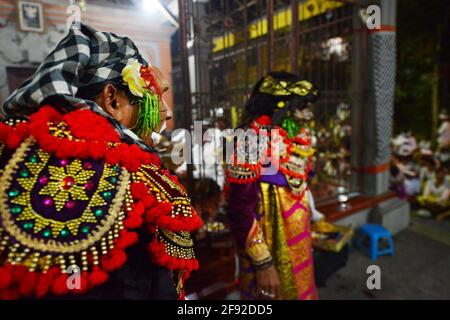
(242, 173)
(164, 189)
(60, 130)
(51, 245)
(34, 261)
(282, 88)
(178, 245)
(46, 262)
(62, 263)
(104, 246)
(94, 256)
(183, 239)
(57, 175)
(84, 261)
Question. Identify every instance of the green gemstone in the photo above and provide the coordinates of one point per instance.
(85, 229)
(98, 212)
(28, 225)
(13, 193)
(64, 232)
(113, 179)
(107, 194)
(47, 233)
(115, 167)
(16, 210)
(24, 173)
(33, 158)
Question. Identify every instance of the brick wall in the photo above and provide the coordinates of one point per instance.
(149, 30)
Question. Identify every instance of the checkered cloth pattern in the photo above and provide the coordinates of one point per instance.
(83, 59)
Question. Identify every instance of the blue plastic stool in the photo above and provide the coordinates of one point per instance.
(375, 233)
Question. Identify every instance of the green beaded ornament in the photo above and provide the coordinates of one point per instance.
(47, 233)
(16, 210)
(24, 173)
(291, 126)
(13, 193)
(113, 179)
(28, 225)
(148, 116)
(33, 158)
(107, 194)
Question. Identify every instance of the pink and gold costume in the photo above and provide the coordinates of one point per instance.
(270, 217)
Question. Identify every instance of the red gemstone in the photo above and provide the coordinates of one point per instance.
(88, 185)
(87, 165)
(70, 204)
(43, 180)
(48, 201)
(68, 182)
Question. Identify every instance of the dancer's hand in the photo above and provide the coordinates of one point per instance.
(268, 284)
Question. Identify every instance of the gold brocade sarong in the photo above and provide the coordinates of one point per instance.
(285, 222)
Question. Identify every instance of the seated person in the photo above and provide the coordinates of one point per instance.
(410, 172)
(436, 194)
(426, 165)
(396, 181)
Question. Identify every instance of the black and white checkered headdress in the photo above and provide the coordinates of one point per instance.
(84, 59)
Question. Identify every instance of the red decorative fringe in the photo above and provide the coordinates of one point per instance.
(139, 190)
(159, 216)
(126, 239)
(231, 179)
(160, 213)
(12, 137)
(157, 251)
(5, 277)
(84, 283)
(243, 181)
(93, 134)
(10, 294)
(302, 176)
(28, 284)
(133, 222)
(43, 285)
(16, 281)
(93, 127)
(39, 284)
(59, 285)
(157, 211)
(18, 272)
(113, 260)
(97, 277)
